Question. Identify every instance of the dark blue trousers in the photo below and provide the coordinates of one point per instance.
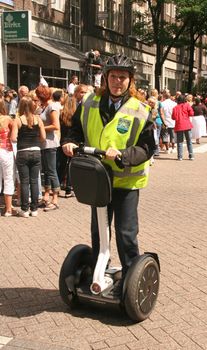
(123, 208)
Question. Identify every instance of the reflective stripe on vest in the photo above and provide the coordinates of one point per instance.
(128, 123)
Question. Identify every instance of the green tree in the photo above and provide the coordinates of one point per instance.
(195, 14)
(152, 28)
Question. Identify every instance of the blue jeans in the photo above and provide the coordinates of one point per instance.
(180, 139)
(124, 207)
(158, 130)
(49, 167)
(28, 165)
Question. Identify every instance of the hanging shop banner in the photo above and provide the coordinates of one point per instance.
(16, 26)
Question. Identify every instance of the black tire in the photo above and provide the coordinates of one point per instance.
(141, 287)
(76, 267)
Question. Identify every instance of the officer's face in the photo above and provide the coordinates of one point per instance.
(118, 82)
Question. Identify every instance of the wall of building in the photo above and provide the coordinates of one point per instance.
(49, 23)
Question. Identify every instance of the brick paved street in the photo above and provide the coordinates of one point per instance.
(172, 223)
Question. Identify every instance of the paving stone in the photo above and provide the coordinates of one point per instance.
(172, 214)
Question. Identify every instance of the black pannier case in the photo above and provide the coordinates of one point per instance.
(91, 180)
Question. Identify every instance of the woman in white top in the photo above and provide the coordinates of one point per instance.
(198, 120)
(50, 117)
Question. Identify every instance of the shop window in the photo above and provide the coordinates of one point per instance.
(55, 77)
(29, 76)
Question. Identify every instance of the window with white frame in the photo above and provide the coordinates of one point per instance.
(58, 5)
(41, 2)
(168, 9)
(173, 10)
(75, 21)
(141, 8)
(204, 58)
(110, 14)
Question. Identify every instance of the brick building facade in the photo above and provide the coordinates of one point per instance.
(63, 30)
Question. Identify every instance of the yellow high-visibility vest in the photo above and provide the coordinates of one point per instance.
(121, 132)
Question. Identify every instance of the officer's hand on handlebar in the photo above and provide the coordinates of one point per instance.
(113, 153)
(68, 148)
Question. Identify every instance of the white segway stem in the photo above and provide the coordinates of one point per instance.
(101, 282)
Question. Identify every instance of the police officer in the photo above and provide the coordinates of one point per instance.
(117, 122)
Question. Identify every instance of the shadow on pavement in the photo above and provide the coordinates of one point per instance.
(27, 302)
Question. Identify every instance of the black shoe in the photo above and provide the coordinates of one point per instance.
(117, 289)
(70, 194)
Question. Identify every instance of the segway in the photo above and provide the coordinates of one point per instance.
(79, 281)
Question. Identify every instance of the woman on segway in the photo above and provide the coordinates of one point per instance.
(115, 120)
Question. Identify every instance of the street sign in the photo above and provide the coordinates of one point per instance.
(16, 26)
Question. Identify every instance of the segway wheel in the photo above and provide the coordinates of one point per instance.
(76, 268)
(141, 288)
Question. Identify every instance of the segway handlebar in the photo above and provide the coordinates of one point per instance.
(81, 149)
(88, 150)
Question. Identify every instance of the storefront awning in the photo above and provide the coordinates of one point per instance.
(70, 57)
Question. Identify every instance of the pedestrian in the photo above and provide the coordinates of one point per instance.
(181, 114)
(28, 131)
(168, 104)
(117, 122)
(6, 158)
(69, 107)
(73, 84)
(22, 91)
(50, 118)
(160, 124)
(2, 87)
(8, 96)
(79, 93)
(198, 121)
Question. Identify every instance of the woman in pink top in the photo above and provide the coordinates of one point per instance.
(181, 114)
(6, 159)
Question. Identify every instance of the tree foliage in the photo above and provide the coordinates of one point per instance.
(189, 25)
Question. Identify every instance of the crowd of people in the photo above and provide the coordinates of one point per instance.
(181, 115)
(34, 125)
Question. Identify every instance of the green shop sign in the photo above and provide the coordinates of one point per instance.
(16, 26)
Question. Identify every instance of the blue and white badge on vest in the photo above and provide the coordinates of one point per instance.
(123, 125)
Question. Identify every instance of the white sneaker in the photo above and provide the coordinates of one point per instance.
(7, 214)
(23, 214)
(34, 213)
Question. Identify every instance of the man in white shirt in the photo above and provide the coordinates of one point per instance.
(168, 104)
(73, 84)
